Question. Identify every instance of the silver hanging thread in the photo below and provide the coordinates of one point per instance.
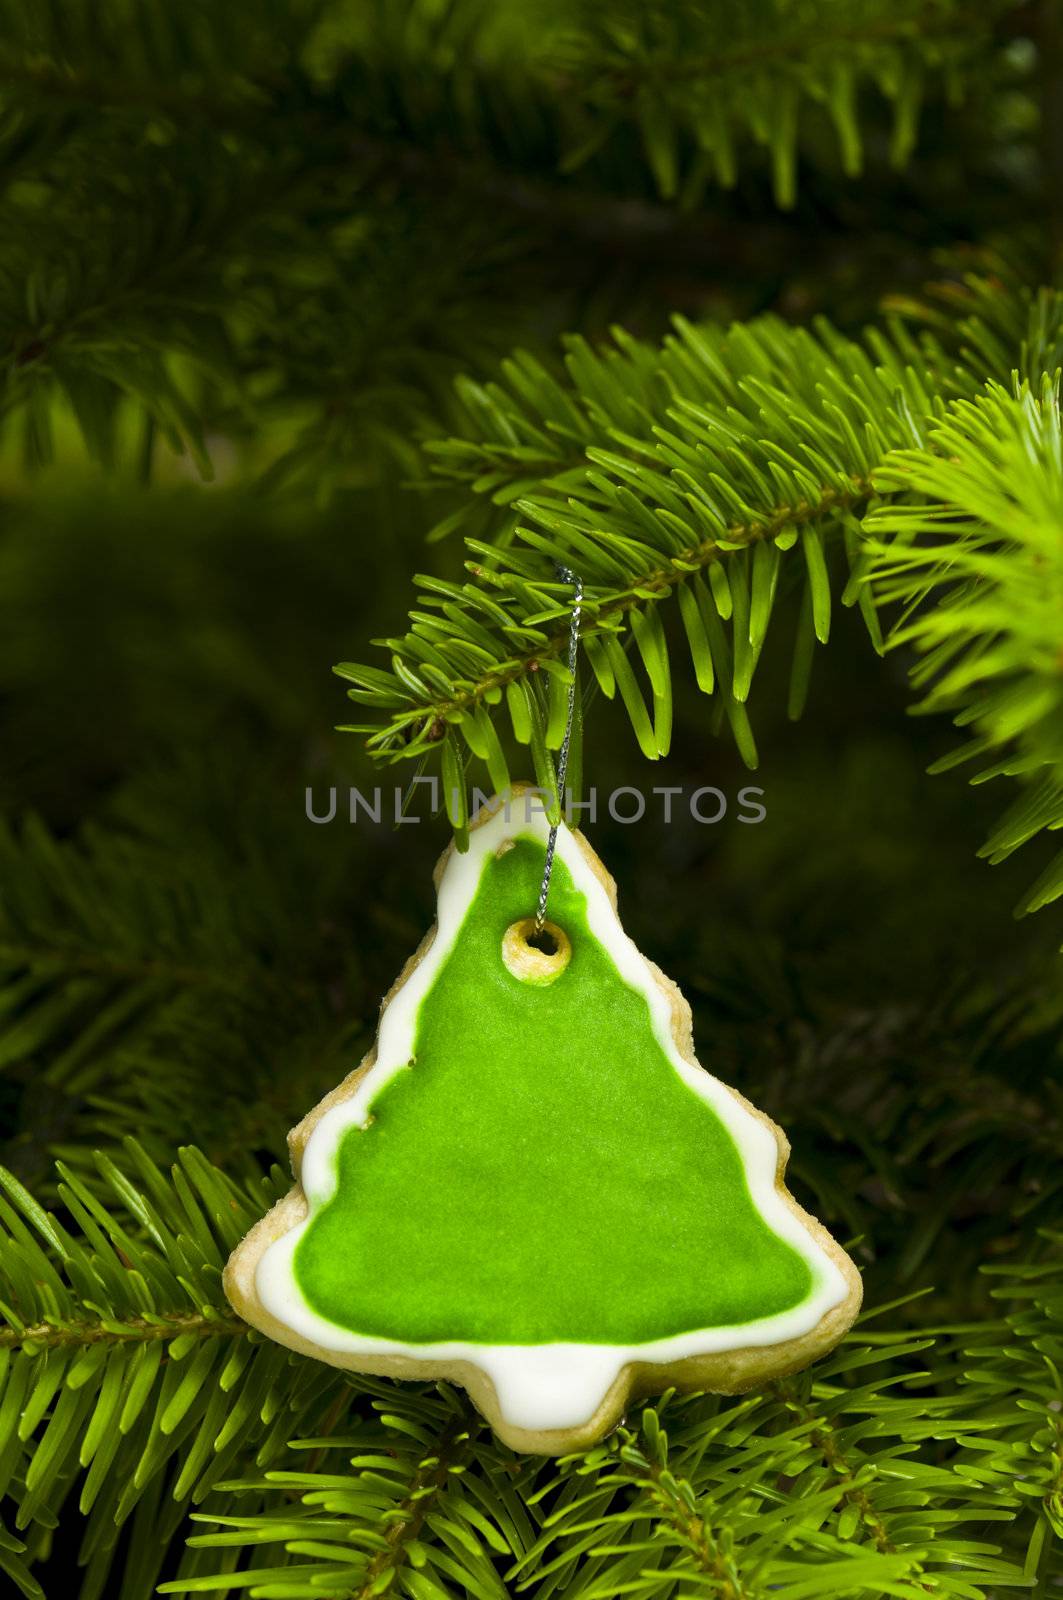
(562, 761)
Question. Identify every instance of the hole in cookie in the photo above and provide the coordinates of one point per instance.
(536, 957)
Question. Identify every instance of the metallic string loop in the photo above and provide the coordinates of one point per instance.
(562, 761)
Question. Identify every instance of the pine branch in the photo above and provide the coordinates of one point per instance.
(1025, 1453)
(654, 583)
(681, 70)
(125, 1376)
(719, 452)
(780, 1493)
(429, 1502)
(674, 1508)
(590, 89)
(975, 563)
(403, 1521)
(738, 462)
(929, 21)
(313, 116)
(45, 1335)
(656, 517)
(430, 1480)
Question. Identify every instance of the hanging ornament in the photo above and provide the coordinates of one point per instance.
(530, 1187)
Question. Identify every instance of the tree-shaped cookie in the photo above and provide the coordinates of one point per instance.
(531, 1187)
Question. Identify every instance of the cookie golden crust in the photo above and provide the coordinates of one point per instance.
(530, 1402)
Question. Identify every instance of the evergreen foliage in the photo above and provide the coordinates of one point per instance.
(748, 313)
(711, 467)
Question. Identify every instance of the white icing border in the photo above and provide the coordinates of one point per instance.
(547, 1386)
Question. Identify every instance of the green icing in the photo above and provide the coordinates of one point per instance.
(541, 1172)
